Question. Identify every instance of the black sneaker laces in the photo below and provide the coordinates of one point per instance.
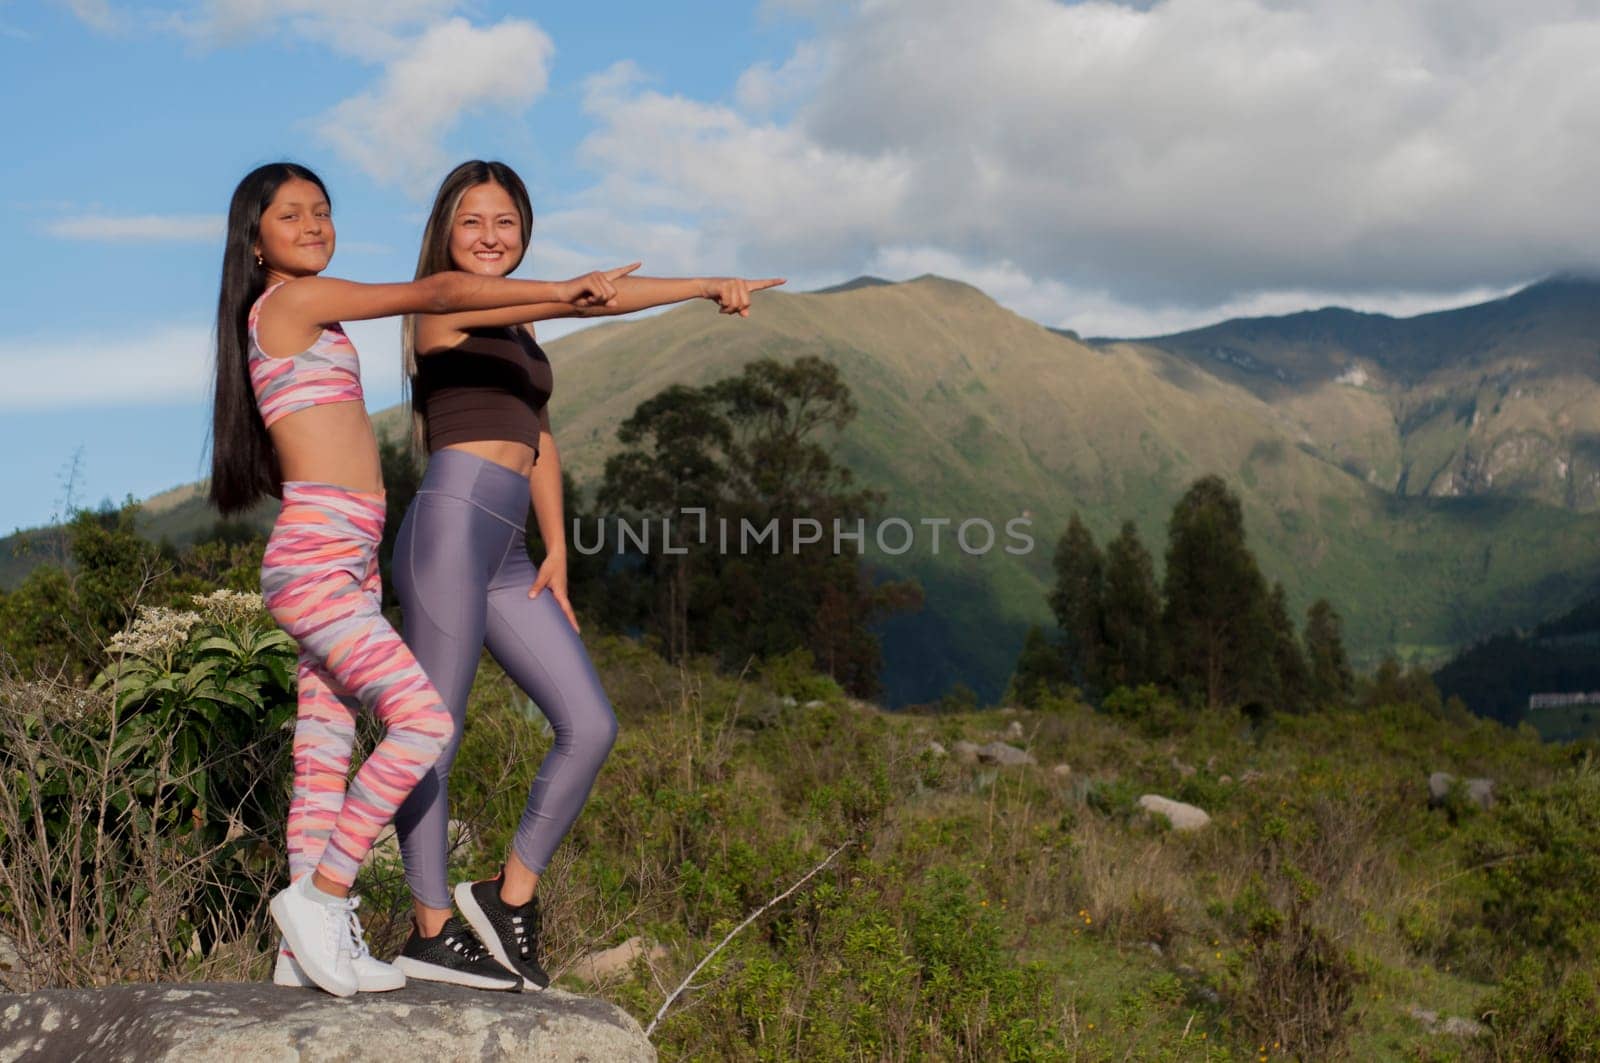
(468, 947)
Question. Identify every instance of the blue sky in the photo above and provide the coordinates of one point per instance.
(1115, 168)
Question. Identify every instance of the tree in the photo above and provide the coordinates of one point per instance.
(1331, 681)
(1076, 601)
(744, 451)
(1041, 670)
(1130, 624)
(1293, 678)
(1217, 622)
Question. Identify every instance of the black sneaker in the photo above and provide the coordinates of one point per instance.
(511, 934)
(456, 956)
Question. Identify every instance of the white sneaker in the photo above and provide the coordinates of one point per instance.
(319, 935)
(372, 974)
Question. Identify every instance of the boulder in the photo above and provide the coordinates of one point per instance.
(1000, 753)
(1480, 791)
(1181, 816)
(1014, 729)
(937, 749)
(223, 1022)
(965, 751)
(617, 961)
(1063, 770)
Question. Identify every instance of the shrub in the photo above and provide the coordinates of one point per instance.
(135, 815)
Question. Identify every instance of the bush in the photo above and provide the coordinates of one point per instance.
(1544, 1014)
(137, 817)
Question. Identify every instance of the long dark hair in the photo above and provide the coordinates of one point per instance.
(244, 466)
(435, 258)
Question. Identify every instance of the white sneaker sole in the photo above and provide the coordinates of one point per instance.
(289, 973)
(485, 930)
(432, 972)
(282, 908)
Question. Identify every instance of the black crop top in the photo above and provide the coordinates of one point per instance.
(490, 387)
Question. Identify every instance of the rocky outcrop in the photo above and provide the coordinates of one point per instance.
(1180, 815)
(224, 1022)
(1000, 753)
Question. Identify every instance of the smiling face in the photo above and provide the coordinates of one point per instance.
(296, 235)
(486, 232)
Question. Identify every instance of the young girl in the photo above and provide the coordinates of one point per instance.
(289, 421)
(461, 569)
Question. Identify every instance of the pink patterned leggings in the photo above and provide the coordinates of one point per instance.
(319, 579)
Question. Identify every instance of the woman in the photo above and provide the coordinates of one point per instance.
(461, 569)
(289, 422)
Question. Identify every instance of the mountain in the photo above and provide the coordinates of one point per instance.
(1501, 399)
(969, 411)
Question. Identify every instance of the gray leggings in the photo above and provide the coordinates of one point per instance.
(462, 574)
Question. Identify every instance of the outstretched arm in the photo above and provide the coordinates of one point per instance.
(731, 294)
(320, 300)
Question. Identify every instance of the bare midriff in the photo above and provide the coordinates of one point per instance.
(518, 457)
(330, 444)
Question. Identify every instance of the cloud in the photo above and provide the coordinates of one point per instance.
(51, 370)
(103, 228)
(1096, 312)
(98, 14)
(394, 132)
(370, 29)
(158, 364)
(1186, 154)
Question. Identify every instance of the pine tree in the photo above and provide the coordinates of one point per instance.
(1076, 600)
(1293, 678)
(1130, 614)
(1217, 624)
(1331, 681)
(1041, 669)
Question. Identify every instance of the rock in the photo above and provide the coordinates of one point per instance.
(610, 963)
(223, 1022)
(1182, 817)
(13, 973)
(788, 701)
(1480, 791)
(1000, 753)
(1225, 779)
(1062, 770)
(1430, 1019)
(965, 751)
(1181, 768)
(937, 749)
(1009, 710)
(1014, 729)
(1252, 775)
(814, 703)
(1439, 784)
(1456, 1026)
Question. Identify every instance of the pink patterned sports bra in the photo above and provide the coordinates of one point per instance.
(327, 371)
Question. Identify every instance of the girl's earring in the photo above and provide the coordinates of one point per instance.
(258, 259)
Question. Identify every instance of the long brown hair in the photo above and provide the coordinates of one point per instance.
(435, 258)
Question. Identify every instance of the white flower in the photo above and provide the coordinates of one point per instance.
(154, 630)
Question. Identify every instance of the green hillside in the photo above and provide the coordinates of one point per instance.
(968, 411)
